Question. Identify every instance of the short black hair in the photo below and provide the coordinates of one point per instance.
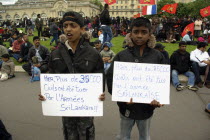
(36, 37)
(189, 32)
(182, 43)
(141, 21)
(19, 36)
(5, 56)
(77, 16)
(201, 45)
(106, 6)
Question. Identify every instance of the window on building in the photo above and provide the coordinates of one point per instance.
(112, 7)
(16, 17)
(126, 7)
(34, 16)
(25, 15)
(44, 16)
(121, 7)
(1, 17)
(8, 17)
(61, 13)
(116, 7)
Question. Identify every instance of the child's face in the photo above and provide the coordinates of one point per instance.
(72, 30)
(106, 48)
(140, 35)
(5, 59)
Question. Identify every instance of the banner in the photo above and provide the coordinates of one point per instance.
(170, 8)
(147, 2)
(142, 82)
(72, 94)
(110, 2)
(205, 12)
(189, 27)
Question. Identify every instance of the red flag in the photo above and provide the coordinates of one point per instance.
(110, 2)
(147, 2)
(205, 11)
(189, 27)
(137, 15)
(170, 8)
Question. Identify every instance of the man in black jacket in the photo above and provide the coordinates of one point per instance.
(25, 49)
(181, 64)
(106, 24)
(141, 52)
(76, 56)
(43, 56)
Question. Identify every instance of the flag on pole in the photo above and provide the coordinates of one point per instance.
(137, 15)
(152, 2)
(205, 11)
(170, 8)
(110, 2)
(189, 27)
(149, 10)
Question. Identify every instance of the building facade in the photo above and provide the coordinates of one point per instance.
(129, 8)
(47, 8)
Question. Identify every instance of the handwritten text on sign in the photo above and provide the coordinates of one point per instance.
(142, 82)
(72, 94)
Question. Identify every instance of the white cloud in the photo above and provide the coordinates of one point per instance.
(4, 2)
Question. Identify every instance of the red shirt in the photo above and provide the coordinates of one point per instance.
(16, 45)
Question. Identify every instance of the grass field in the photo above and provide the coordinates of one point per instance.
(117, 42)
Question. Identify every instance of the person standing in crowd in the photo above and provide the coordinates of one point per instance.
(24, 49)
(181, 64)
(43, 56)
(39, 24)
(141, 52)
(200, 65)
(54, 32)
(197, 28)
(106, 24)
(73, 56)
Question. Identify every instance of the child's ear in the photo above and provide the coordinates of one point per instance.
(82, 30)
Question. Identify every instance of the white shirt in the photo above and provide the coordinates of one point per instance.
(198, 56)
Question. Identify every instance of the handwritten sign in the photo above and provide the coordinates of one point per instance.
(72, 94)
(142, 82)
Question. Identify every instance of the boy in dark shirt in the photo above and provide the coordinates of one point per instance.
(141, 52)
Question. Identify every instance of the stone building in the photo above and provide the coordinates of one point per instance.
(47, 8)
(129, 8)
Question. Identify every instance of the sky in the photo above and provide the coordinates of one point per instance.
(4, 2)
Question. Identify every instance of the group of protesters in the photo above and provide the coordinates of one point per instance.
(72, 36)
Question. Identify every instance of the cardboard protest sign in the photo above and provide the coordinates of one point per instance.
(72, 94)
(142, 82)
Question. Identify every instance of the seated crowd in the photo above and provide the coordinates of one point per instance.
(191, 64)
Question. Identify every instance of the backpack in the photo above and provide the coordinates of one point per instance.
(4, 135)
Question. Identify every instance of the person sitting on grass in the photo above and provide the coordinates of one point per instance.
(7, 69)
(181, 64)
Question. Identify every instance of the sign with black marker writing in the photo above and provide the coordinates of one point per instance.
(72, 94)
(142, 82)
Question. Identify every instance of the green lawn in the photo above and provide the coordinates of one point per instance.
(117, 42)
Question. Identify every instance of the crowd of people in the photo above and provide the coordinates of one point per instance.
(71, 54)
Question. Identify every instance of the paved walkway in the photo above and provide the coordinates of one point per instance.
(20, 110)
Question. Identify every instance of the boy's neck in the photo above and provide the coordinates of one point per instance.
(73, 44)
(142, 49)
